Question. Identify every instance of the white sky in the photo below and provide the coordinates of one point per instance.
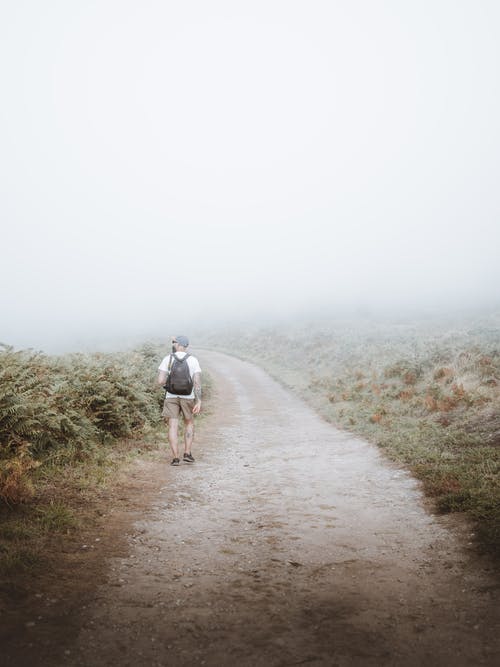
(164, 163)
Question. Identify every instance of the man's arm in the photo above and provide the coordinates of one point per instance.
(197, 392)
(162, 377)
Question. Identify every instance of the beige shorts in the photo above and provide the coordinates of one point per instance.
(173, 406)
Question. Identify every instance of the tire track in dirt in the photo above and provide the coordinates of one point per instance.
(289, 542)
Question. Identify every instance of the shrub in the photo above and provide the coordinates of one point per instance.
(72, 402)
(15, 484)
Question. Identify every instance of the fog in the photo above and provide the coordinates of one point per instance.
(169, 165)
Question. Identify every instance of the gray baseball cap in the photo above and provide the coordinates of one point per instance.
(182, 340)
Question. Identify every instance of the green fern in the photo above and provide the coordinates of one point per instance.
(74, 401)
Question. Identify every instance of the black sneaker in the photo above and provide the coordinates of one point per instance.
(175, 462)
(188, 458)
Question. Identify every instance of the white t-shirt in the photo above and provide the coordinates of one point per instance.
(194, 367)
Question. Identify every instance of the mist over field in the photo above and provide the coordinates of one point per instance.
(170, 167)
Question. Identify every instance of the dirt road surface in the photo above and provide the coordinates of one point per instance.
(289, 542)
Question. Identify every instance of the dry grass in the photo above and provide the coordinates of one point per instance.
(428, 393)
(60, 409)
(68, 425)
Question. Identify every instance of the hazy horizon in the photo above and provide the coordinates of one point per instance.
(166, 167)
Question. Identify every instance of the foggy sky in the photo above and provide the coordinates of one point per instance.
(165, 163)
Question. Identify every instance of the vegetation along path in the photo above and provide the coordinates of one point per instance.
(289, 542)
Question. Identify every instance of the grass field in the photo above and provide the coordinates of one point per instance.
(427, 392)
(69, 427)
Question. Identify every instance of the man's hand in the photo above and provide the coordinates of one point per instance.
(197, 392)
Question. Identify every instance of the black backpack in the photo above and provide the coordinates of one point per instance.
(179, 379)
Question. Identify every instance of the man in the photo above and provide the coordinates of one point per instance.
(187, 403)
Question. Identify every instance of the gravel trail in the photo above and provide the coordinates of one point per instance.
(289, 542)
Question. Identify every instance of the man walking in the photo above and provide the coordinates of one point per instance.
(180, 373)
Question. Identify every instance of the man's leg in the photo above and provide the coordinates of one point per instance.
(188, 435)
(173, 427)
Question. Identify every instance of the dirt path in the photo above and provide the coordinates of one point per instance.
(288, 543)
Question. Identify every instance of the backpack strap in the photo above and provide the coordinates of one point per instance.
(171, 361)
